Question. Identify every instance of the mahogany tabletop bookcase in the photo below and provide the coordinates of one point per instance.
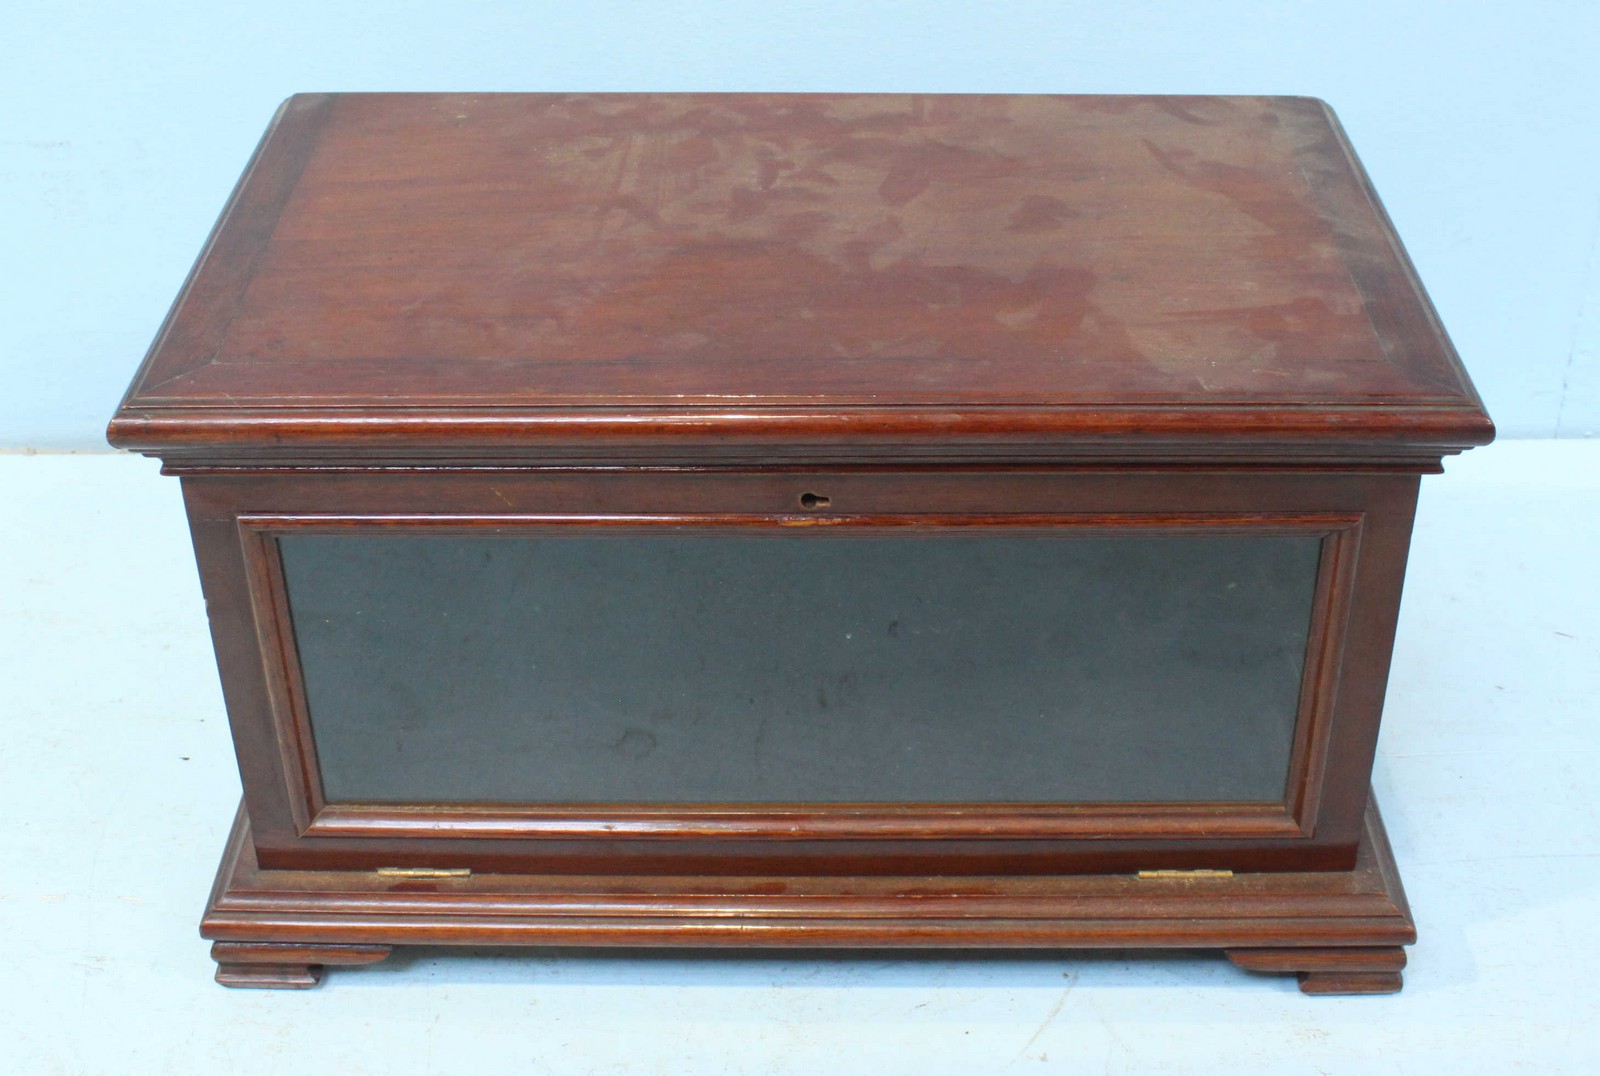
(791, 520)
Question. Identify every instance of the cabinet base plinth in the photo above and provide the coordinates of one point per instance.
(1351, 970)
(1340, 931)
(285, 966)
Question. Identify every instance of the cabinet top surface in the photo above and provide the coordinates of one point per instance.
(758, 257)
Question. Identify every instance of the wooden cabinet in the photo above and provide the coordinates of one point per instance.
(804, 520)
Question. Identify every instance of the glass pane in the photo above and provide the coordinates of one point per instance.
(692, 668)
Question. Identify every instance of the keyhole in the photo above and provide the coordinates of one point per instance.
(812, 500)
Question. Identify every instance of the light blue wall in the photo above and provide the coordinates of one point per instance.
(125, 125)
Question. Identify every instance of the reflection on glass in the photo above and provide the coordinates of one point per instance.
(693, 668)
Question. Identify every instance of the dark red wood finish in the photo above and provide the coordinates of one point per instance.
(1342, 931)
(694, 278)
(1367, 517)
(497, 312)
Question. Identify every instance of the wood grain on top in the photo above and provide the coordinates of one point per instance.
(681, 254)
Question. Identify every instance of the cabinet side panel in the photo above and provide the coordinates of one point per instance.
(224, 581)
(1364, 673)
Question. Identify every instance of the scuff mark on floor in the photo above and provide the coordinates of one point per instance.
(1049, 1018)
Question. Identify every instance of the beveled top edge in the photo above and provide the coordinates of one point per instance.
(1444, 412)
(1181, 437)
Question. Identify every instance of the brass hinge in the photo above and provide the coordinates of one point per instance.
(1185, 875)
(425, 872)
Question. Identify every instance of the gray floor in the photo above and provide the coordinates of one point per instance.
(117, 785)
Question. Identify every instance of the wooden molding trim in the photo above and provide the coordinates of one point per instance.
(1294, 817)
(1328, 923)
